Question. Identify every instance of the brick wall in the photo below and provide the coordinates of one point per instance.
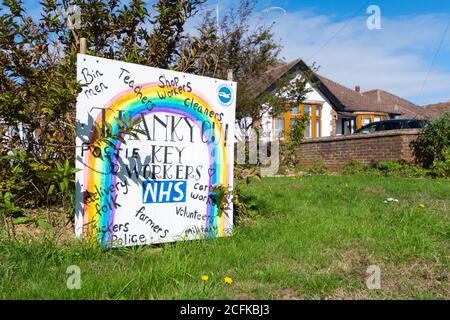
(335, 152)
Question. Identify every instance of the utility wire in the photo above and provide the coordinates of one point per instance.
(339, 31)
(434, 60)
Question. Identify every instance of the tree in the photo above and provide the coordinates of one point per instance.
(433, 143)
(249, 52)
(38, 86)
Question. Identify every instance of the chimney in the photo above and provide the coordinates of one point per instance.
(358, 89)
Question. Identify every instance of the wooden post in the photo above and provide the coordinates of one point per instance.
(83, 45)
(230, 74)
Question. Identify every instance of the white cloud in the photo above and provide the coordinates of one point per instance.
(396, 58)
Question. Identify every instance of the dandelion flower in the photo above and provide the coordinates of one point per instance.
(204, 278)
(228, 280)
(422, 206)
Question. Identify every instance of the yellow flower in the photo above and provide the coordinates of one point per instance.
(422, 206)
(204, 278)
(228, 280)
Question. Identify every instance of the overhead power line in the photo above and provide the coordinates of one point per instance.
(339, 31)
(434, 59)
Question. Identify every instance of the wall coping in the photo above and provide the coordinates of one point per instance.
(389, 133)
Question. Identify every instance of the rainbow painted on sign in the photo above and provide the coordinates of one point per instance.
(97, 171)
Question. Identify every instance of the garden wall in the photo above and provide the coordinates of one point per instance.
(335, 152)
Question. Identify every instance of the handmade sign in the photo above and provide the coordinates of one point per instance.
(155, 153)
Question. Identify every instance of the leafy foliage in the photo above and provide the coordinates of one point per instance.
(7, 208)
(242, 205)
(38, 86)
(248, 52)
(298, 131)
(219, 195)
(288, 155)
(433, 142)
(441, 168)
(386, 168)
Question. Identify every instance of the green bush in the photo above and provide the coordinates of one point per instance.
(318, 168)
(386, 168)
(432, 142)
(441, 168)
(298, 130)
(356, 167)
(243, 206)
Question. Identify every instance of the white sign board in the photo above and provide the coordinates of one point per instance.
(170, 182)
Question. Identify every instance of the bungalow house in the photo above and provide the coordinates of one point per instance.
(334, 109)
(435, 110)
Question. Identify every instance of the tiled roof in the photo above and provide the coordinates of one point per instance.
(347, 100)
(405, 107)
(436, 110)
(355, 101)
(271, 76)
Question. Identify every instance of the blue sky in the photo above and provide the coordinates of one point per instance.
(398, 57)
(334, 34)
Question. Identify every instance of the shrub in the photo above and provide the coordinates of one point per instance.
(356, 167)
(318, 168)
(243, 206)
(298, 131)
(390, 168)
(7, 209)
(432, 142)
(386, 168)
(441, 168)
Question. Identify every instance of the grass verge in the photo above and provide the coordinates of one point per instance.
(314, 238)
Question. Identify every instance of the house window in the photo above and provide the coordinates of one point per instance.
(283, 124)
(291, 123)
(307, 111)
(295, 110)
(366, 121)
(279, 127)
(318, 128)
(349, 126)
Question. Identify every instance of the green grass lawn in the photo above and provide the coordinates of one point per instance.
(314, 238)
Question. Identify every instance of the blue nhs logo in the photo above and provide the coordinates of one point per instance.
(164, 191)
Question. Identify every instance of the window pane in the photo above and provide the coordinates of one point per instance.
(295, 110)
(317, 128)
(347, 127)
(308, 129)
(308, 132)
(317, 112)
(366, 121)
(307, 109)
(279, 124)
(292, 123)
(376, 119)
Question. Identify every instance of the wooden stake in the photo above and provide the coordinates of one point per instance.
(230, 74)
(83, 45)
